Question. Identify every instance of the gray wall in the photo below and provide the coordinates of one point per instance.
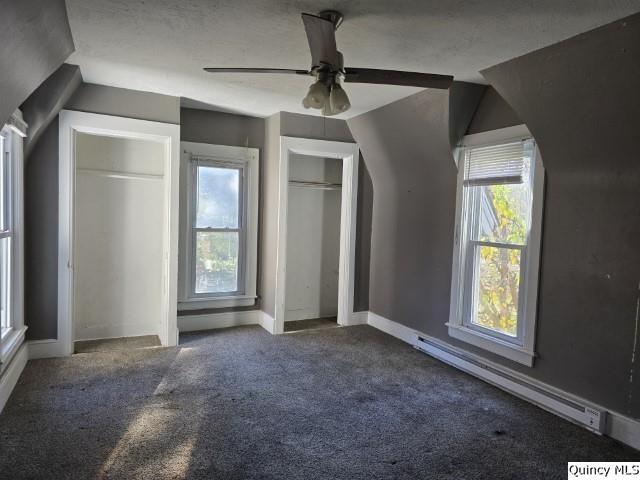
(363, 238)
(41, 195)
(581, 101)
(220, 128)
(585, 120)
(35, 40)
(41, 236)
(320, 128)
(323, 128)
(407, 149)
(47, 100)
(493, 113)
(125, 103)
(267, 245)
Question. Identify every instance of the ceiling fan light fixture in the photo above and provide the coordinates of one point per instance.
(317, 96)
(327, 111)
(338, 99)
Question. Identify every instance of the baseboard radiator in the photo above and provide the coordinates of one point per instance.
(588, 416)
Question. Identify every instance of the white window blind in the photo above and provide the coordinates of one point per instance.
(497, 164)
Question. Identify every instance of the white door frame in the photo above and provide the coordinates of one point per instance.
(350, 154)
(72, 122)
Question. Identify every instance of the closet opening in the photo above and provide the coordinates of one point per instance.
(316, 234)
(313, 242)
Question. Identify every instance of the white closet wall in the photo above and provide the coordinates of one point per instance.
(118, 235)
(313, 239)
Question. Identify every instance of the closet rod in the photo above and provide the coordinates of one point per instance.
(318, 185)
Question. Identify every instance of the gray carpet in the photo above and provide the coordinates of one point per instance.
(343, 403)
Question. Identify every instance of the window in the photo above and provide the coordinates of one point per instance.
(496, 260)
(221, 249)
(5, 233)
(11, 323)
(218, 228)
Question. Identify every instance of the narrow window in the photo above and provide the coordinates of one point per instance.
(218, 229)
(219, 218)
(6, 233)
(12, 327)
(493, 300)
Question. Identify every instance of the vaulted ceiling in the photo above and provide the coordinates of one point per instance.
(162, 45)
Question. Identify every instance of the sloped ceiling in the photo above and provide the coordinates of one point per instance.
(34, 41)
(162, 45)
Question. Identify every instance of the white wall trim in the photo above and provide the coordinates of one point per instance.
(394, 329)
(350, 155)
(248, 159)
(48, 348)
(13, 133)
(359, 318)
(12, 374)
(522, 349)
(193, 323)
(168, 134)
(618, 426)
(267, 322)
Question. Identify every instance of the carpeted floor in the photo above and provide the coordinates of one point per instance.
(343, 403)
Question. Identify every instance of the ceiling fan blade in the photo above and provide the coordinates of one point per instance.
(396, 77)
(257, 70)
(321, 34)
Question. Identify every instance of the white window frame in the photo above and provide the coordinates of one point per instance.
(247, 160)
(14, 132)
(522, 349)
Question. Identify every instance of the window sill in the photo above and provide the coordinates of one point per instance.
(10, 344)
(494, 345)
(217, 302)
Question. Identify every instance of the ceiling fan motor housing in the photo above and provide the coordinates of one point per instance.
(333, 16)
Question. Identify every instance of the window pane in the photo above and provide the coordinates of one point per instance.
(5, 275)
(4, 185)
(218, 197)
(496, 286)
(503, 213)
(216, 262)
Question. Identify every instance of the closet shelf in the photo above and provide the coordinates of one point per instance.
(315, 185)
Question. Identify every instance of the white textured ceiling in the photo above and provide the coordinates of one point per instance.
(161, 45)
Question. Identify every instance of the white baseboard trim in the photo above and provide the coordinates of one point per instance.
(100, 332)
(394, 329)
(193, 323)
(554, 400)
(48, 348)
(267, 322)
(358, 318)
(12, 373)
(623, 429)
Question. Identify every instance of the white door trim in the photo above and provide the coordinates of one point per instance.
(168, 134)
(350, 154)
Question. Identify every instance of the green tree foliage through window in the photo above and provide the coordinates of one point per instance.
(503, 211)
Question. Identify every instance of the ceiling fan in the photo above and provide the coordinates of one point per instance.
(327, 66)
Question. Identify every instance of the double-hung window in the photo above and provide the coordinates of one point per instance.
(221, 233)
(6, 233)
(11, 319)
(498, 222)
